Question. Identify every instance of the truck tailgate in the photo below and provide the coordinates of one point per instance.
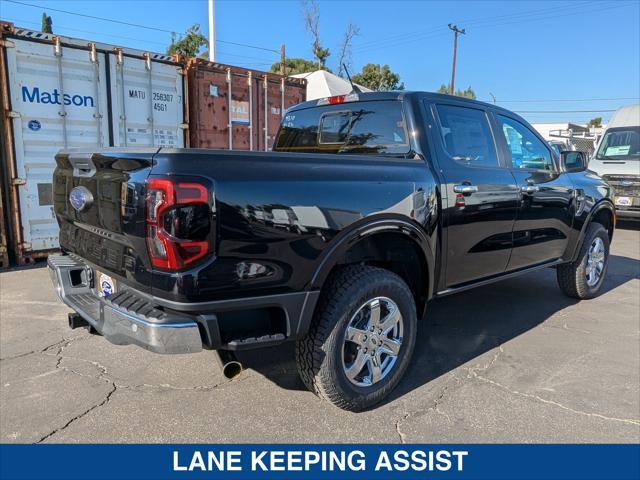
(99, 202)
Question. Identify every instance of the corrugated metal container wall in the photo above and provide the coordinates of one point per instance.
(64, 93)
(146, 96)
(223, 96)
(4, 251)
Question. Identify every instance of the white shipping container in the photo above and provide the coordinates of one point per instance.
(147, 97)
(67, 93)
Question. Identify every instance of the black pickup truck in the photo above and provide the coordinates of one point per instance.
(369, 206)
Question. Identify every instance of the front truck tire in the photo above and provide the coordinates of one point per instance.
(361, 338)
(584, 278)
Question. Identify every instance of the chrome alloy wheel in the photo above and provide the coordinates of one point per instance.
(595, 262)
(372, 342)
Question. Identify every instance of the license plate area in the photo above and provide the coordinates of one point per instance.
(105, 285)
(624, 201)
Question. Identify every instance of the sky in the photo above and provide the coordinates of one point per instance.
(550, 61)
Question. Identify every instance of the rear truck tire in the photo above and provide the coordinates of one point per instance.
(584, 278)
(361, 338)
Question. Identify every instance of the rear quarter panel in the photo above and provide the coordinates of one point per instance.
(279, 214)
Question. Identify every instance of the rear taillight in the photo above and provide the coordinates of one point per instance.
(178, 222)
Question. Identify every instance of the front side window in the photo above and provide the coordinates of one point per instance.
(466, 136)
(526, 149)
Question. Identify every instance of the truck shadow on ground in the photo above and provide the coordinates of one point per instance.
(459, 328)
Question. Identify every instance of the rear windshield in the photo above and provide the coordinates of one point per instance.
(376, 127)
(621, 143)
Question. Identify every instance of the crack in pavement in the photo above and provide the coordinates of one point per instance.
(453, 378)
(473, 372)
(44, 349)
(557, 404)
(61, 345)
(434, 407)
(400, 434)
(77, 417)
(104, 375)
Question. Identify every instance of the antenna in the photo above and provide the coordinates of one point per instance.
(354, 87)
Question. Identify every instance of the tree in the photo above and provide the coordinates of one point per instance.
(189, 45)
(47, 23)
(295, 65)
(378, 77)
(344, 59)
(312, 21)
(466, 93)
(595, 122)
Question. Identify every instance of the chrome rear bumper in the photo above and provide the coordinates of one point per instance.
(124, 318)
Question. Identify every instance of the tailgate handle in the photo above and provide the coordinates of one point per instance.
(82, 165)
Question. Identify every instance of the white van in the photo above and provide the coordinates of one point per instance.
(617, 160)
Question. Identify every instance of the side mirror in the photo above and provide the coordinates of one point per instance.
(573, 161)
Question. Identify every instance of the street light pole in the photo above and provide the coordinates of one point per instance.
(212, 32)
(455, 31)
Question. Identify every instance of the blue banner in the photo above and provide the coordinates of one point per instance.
(272, 461)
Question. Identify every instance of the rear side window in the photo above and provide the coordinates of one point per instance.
(376, 127)
(466, 136)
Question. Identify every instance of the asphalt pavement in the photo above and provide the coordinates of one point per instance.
(515, 361)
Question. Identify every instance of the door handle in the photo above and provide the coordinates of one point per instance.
(465, 189)
(529, 189)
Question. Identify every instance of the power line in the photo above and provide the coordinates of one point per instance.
(91, 16)
(248, 46)
(570, 100)
(529, 16)
(129, 24)
(60, 27)
(419, 33)
(430, 32)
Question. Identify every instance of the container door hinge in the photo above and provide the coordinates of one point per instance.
(25, 246)
(18, 181)
(184, 126)
(12, 114)
(7, 43)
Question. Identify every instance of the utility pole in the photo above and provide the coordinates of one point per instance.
(455, 31)
(212, 32)
(282, 60)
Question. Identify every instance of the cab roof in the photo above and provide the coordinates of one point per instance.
(401, 95)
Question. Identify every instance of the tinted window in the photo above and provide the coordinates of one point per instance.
(334, 127)
(527, 150)
(359, 127)
(466, 135)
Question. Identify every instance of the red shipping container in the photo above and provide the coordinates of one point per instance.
(227, 108)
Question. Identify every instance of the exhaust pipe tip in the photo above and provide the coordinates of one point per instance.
(232, 369)
(231, 366)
